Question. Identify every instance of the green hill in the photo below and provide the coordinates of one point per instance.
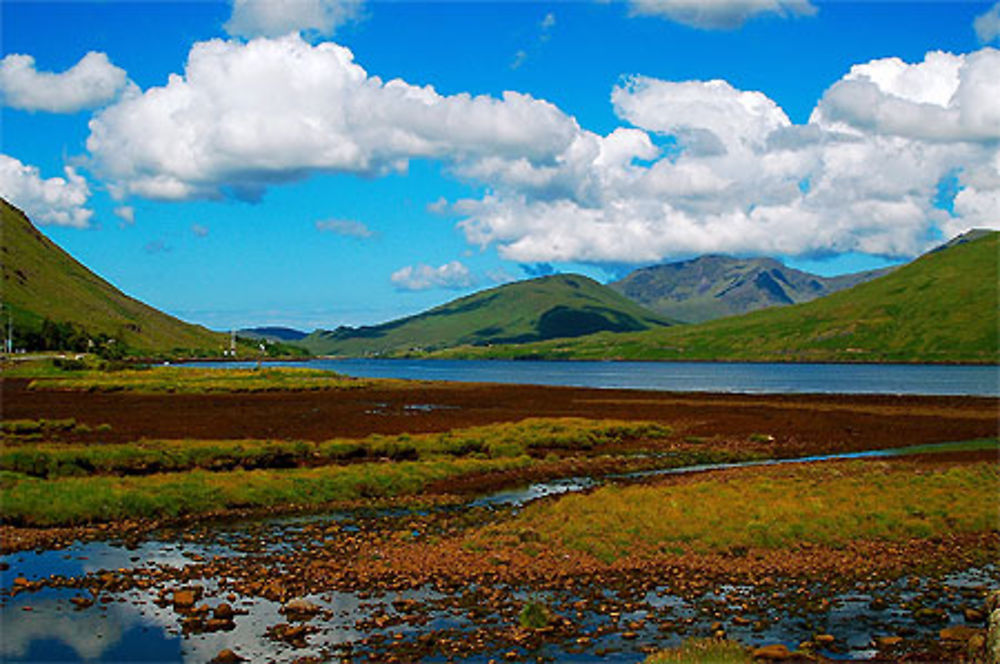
(710, 287)
(533, 310)
(56, 302)
(941, 307)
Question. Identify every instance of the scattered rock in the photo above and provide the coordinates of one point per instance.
(958, 633)
(888, 641)
(185, 598)
(774, 653)
(223, 612)
(927, 615)
(227, 656)
(300, 608)
(973, 615)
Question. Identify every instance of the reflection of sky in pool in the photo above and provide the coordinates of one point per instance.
(132, 628)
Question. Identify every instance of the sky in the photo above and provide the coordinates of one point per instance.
(317, 163)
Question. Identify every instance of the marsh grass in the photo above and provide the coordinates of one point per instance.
(48, 483)
(505, 440)
(78, 500)
(534, 615)
(203, 381)
(703, 651)
(826, 504)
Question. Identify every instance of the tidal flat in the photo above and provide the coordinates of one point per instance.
(400, 521)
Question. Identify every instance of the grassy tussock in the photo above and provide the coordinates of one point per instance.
(827, 504)
(703, 651)
(78, 500)
(202, 381)
(51, 460)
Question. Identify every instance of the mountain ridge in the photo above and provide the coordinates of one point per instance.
(716, 286)
(940, 308)
(563, 305)
(50, 296)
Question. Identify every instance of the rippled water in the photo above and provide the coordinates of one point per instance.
(767, 378)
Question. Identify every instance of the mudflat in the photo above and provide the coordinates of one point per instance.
(798, 423)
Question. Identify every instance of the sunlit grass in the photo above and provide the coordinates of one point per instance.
(828, 504)
(504, 440)
(78, 500)
(703, 651)
(201, 381)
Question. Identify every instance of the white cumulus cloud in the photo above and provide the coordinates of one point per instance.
(91, 82)
(58, 201)
(274, 18)
(719, 14)
(987, 25)
(742, 178)
(452, 276)
(247, 115)
(708, 115)
(944, 98)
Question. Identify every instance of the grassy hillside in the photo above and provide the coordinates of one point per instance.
(537, 309)
(41, 281)
(711, 287)
(941, 307)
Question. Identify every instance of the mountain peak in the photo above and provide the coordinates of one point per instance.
(716, 286)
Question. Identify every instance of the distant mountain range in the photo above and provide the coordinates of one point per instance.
(711, 287)
(942, 307)
(272, 333)
(56, 302)
(545, 308)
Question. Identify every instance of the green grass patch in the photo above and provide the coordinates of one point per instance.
(202, 381)
(976, 445)
(827, 504)
(703, 651)
(505, 440)
(79, 500)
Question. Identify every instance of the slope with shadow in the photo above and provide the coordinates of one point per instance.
(711, 287)
(942, 307)
(546, 308)
(41, 282)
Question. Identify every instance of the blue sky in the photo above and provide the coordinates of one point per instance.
(283, 179)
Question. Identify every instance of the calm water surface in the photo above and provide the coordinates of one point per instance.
(684, 376)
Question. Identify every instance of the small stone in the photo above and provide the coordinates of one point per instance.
(824, 639)
(300, 607)
(973, 615)
(927, 615)
(184, 599)
(958, 633)
(223, 612)
(227, 656)
(775, 653)
(888, 641)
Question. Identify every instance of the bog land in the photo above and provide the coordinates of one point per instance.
(314, 515)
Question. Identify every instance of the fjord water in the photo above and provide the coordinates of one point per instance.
(764, 378)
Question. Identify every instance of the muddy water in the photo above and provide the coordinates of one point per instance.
(617, 625)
